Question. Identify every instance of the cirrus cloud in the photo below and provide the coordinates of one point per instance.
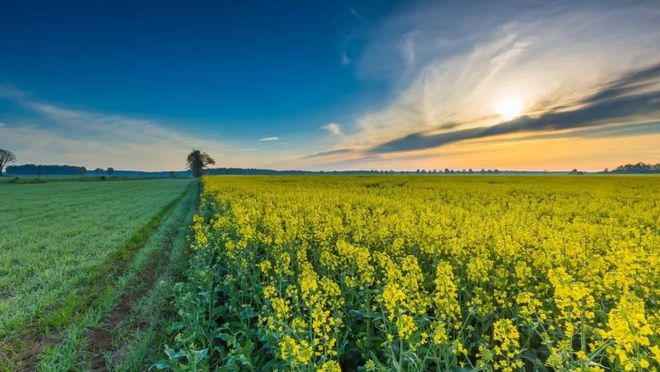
(333, 128)
(573, 65)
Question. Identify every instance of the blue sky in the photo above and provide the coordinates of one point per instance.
(329, 85)
(219, 65)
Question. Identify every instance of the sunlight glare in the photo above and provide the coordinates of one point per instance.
(509, 107)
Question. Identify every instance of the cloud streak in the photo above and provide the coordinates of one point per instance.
(8, 90)
(327, 153)
(635, 96)
(268, 139)
(345, 61)
(355, 14)
(54, 134)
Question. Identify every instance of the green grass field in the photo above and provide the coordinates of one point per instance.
(65, 246)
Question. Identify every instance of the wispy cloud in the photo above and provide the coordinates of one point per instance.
(345, 61)
(55, 134)
(620, 131)
(8, 90)
(269, 139)
(559, 59)
(327, 153)
(408, 48)
(633, 97)
(109, 127)
(355, 14)
(333, 128)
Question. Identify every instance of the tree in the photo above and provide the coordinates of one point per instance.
(6, 157)
(110, 171)
(98, 171)
(197, 161)
(637, 168)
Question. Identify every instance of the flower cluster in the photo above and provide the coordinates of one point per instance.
(507, 346)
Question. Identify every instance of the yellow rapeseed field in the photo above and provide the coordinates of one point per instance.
(414, 273)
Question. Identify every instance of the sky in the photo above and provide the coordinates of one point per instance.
(333, 85)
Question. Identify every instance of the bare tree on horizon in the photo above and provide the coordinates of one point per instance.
(6, 157)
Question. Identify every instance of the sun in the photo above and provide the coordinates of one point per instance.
(509, 107)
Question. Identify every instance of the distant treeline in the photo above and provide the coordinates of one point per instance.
(637, 168)
(64, 170)
(259, 171)
(70, 170)
(45, 170)
(251, 171)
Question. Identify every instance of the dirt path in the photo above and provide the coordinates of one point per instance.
(107, 342)
(102, 341)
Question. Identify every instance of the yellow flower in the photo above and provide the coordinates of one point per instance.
(269, 292)
(305, 352)
(299, 325)
(405, 326)
(446, 293)
(630, 331)
(392, 297)
(439, 333)
(298, 353)
(265, 266)
(281, 307)
(507, 347)
(555, 361)
(330, 366)
(656, 353)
